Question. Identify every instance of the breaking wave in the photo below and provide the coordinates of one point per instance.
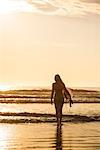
(24, 117)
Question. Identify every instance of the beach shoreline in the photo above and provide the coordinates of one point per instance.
(49, 136)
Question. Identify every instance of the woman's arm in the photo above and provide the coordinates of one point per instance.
(52, 92)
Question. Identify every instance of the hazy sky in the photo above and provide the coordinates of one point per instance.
(39, 38)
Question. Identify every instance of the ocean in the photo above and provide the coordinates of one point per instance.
(27, 121)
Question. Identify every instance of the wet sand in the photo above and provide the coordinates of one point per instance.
(47, 136)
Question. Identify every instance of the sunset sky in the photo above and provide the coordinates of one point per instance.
(39, 38)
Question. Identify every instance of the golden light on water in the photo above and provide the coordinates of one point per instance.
(3, 137)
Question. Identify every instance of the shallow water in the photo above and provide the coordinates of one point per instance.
(71, 136)
(21, 132)
(29, 113)
(77, 108)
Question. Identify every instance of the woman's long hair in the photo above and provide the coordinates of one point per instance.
(58, 79)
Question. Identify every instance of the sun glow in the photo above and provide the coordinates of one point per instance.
(4, 87)
(9, 6)
(5, 7)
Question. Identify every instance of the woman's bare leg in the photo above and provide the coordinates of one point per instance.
(61, 113)
(57, 115)
(58, 109)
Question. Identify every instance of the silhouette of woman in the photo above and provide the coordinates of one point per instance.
(59, 91)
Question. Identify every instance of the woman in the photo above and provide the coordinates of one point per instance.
(60, 92)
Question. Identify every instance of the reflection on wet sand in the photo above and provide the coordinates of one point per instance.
(58, 137)
(40, 136)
